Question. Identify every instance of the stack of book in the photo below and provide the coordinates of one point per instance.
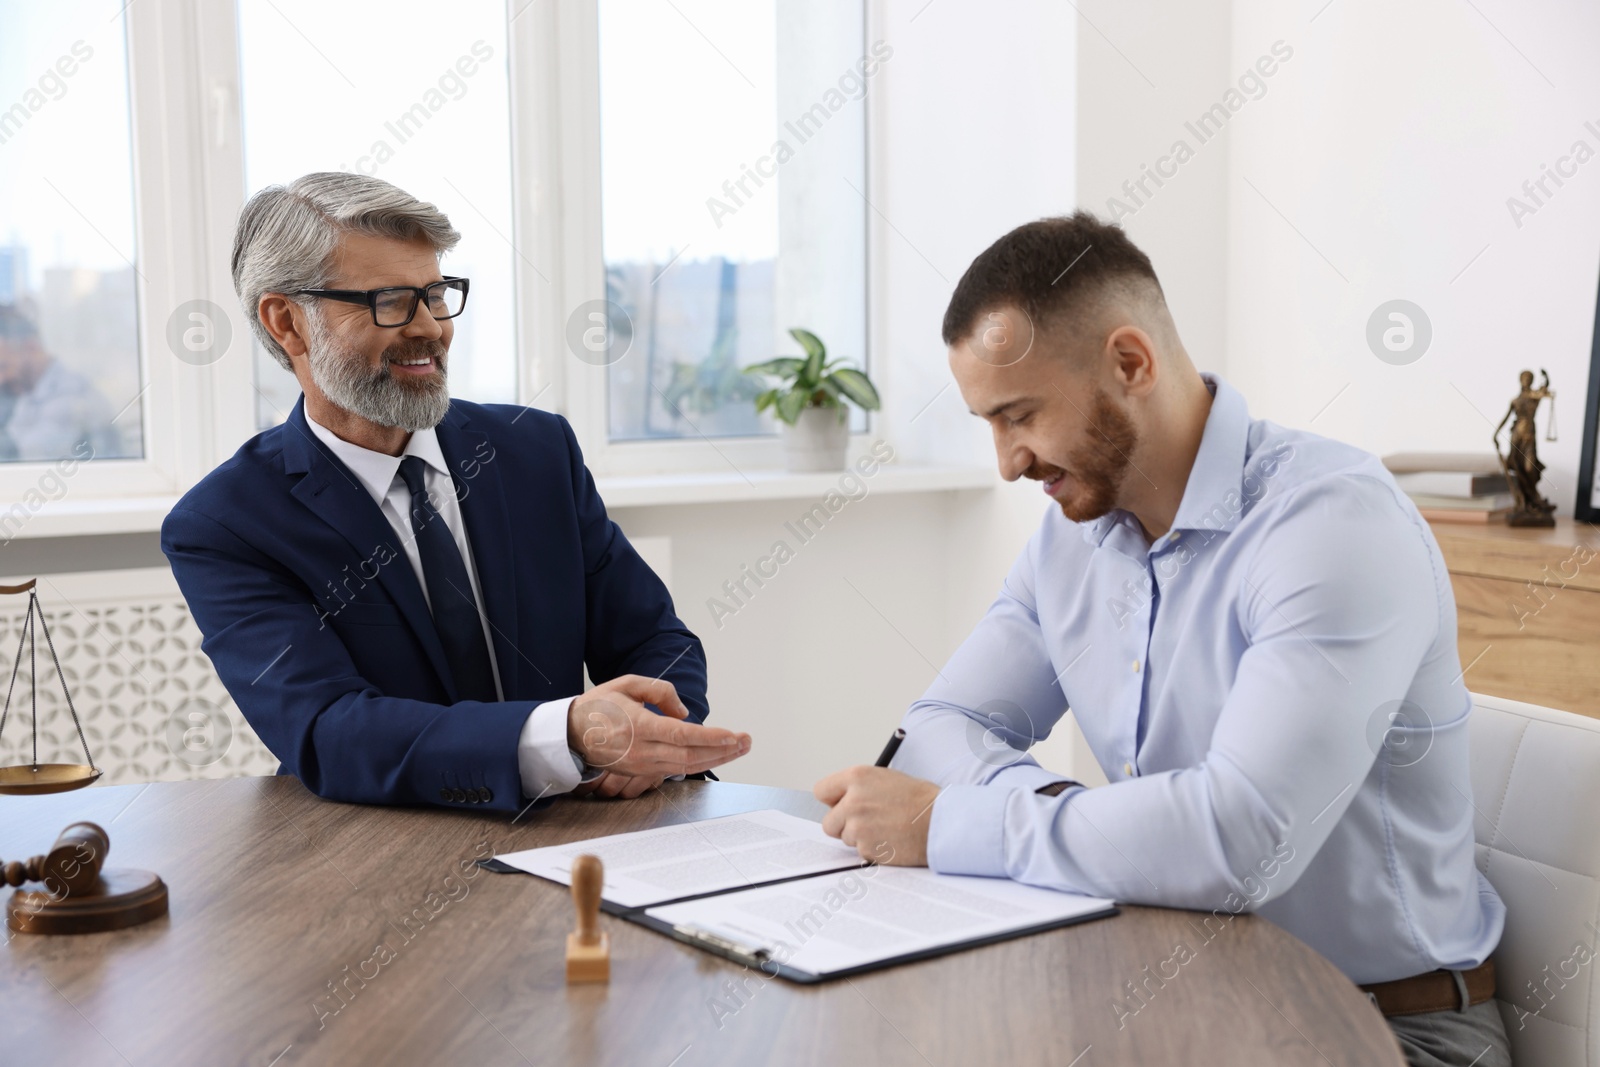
(1453, 486)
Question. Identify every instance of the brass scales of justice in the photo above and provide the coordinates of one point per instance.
(79, 896)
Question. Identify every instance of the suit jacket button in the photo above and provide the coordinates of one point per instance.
(461, 796)
(484, 795)
(444, 794)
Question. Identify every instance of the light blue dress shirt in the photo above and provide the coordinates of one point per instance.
(1272, 688)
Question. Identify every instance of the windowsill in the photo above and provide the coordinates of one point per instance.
(734, 487)
(71, 517)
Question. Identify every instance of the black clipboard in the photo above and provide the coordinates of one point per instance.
(762, 960)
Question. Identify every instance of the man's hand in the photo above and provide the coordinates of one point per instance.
(610, 785)
(611, 729)
(883, 814)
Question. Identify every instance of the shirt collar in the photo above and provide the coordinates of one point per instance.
(1218, 471)
(376, 470)
(1211, 499)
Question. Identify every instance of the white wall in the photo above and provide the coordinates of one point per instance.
(1376, 165)
(1143, 71)
(1392, 142)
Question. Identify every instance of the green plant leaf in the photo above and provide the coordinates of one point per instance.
(857, 386)
(809, 342)
(766, 400)
(790, 404)
(815, 354)
(784, 367)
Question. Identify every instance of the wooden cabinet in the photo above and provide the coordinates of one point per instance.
(1528, 610)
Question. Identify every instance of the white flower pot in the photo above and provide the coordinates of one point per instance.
(818, 439)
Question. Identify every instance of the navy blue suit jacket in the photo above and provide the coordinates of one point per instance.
(314, 619)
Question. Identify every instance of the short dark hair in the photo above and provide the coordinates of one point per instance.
(15, 326)
(1045, 267)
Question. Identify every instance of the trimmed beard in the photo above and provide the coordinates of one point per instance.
(379, 397)
(1100, 464)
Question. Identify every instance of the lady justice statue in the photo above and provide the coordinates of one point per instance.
(1522, 467)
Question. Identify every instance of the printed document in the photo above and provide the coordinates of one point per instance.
(691, 859)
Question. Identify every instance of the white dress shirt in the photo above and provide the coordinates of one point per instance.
(546, 765)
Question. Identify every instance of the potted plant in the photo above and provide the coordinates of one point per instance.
(809, 400)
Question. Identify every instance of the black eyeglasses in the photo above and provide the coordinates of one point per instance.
(396, 305)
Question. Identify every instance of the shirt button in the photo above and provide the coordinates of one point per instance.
(1136, 666)
(1127, 768)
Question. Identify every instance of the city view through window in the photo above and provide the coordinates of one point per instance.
(69, 350)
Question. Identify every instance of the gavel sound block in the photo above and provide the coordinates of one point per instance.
(78, 896)
(588, 947)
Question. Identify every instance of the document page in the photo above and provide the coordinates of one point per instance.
(671, 862)
(837, 921)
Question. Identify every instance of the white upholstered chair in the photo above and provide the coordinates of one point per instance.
(1536, 788)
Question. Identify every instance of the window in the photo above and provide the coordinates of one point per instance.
(702, 163)
(418, 95)
(69, 276)
(732, 178)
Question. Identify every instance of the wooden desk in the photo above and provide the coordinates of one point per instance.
(276, 892)
(1527, 610)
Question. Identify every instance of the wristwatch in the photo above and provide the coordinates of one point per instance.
(1055, 789)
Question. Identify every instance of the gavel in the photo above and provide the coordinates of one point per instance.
(71, 866)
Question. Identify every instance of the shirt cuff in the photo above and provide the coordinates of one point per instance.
(1029, 776)
(967, 830)
(547, 766)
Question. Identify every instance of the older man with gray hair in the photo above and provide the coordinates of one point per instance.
(401, 590)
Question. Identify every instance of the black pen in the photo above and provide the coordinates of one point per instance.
(891, 748)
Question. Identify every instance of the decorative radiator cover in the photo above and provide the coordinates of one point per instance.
(152, 707)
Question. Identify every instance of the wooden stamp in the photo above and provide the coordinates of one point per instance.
(588, 947)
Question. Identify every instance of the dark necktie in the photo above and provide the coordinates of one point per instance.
(455, 611)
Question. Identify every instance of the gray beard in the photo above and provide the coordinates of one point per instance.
(340, 372)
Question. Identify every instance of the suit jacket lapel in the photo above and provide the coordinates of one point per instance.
(331, 492)
(470, 456)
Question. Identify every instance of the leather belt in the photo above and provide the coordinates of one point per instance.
(1439, 990)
